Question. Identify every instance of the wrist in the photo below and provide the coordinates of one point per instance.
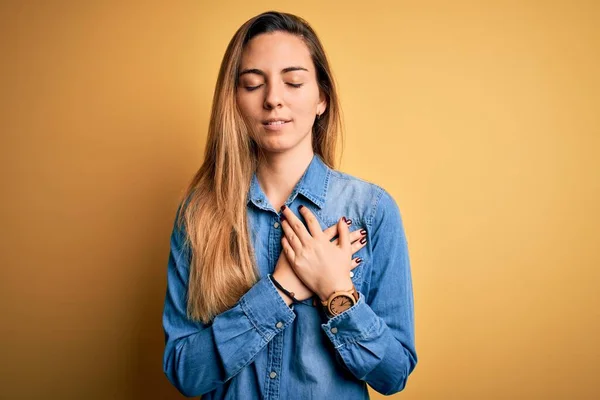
(285, 297)
(340, 286)
(284, 290)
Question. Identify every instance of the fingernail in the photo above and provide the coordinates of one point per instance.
(358, 260)
(363, 240)
(364, 232)
(282, 208)
(344, 218)
(349, 221)
(282, 217)
(300, 207)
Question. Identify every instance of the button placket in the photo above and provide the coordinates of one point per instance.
(275, 345)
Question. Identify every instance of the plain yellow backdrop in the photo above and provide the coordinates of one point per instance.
(480, 117)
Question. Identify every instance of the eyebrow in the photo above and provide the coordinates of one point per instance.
(259, 72)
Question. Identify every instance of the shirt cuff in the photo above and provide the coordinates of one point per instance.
(354, 324)
(265, 308)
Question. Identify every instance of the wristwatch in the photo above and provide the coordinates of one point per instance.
(340, 301)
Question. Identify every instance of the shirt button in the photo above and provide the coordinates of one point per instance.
(276, 224)
(279, 324)
(273, 375)
(334, 330)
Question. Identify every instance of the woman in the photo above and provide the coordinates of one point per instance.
(286, 278)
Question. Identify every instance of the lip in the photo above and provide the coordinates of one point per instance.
(275, 127)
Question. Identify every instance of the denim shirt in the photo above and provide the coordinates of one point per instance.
(264, 349)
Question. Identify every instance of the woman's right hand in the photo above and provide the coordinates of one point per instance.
(285, 275)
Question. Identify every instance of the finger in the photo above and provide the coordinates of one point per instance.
(296, 225)
(355, 263)
(354, 236)
(357, 245)
(311, 221)
(332, 231)
(288, 250)
(344, 234)
(290, 235)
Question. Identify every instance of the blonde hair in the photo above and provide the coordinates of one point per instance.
(213, 212)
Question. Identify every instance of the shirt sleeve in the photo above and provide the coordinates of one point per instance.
(198, 357)
(375, 337)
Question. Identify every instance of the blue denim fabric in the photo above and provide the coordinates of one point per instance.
(263, 349)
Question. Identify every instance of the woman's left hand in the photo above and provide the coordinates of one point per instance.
(319, 263)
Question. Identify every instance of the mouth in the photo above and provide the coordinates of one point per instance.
(275, 122)
(275, 125)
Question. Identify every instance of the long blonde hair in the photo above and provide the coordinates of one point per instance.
(213, 208)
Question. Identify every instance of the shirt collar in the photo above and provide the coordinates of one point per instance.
(312, 185)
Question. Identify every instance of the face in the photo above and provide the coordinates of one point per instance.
(278, 92)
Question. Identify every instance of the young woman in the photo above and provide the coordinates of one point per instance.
(287, 279)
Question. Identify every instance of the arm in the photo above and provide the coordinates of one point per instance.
(198, 357)
(375, 337)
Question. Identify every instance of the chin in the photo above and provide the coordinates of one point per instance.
(281, 141)
(280, 148)
(278, 145)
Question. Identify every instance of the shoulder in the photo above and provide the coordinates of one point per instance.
(371, 200)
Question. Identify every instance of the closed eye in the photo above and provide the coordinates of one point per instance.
(294, 85)
(251, 88)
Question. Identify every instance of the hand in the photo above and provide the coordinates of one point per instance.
(284, 273)
(320, 264)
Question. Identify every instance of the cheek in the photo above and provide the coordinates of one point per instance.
(244, 104)
(306, 104)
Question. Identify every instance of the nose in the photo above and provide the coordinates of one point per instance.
(273, 96)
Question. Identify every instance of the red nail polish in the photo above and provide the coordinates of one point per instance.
(282, 208)
(363, 240)
(300, 207)
(364, 232)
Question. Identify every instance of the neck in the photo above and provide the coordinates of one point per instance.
(278, 173)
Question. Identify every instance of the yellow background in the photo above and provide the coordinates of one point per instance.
(481, 118)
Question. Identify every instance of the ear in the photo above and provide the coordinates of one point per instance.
(322, 105)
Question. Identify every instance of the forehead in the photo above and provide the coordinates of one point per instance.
(276, 50)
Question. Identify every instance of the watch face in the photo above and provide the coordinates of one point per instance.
(339, 304)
